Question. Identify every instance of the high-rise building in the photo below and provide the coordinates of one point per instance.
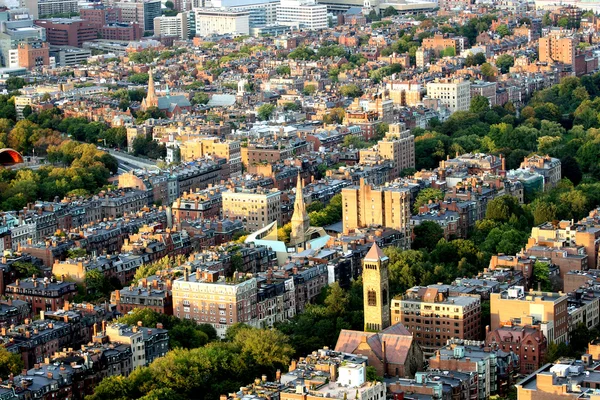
(306, 14)
(140, 11)
(257, 207)
(172, 26)
(376, 294)
(455, 94)
(221, 21)
(398, 145)
(47, 8)
(388, 206)
(554, 48)
(33, 54)
(300, 220)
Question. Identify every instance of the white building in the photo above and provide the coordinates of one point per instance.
(221, 21)
(303, 14)
(172, 26)
(262, 12)
(455, 94)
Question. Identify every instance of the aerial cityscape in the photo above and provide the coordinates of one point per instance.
(299, 199)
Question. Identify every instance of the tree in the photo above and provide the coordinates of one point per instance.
(390, 11)
(284, 70)
(504, 62)
(541, 275)
(27, 111)
(448, 52)
(309, 90)
(503, 30)
(265, 111)
(475, 59)
(563, 22)
(372, 375)
(200, 98)
(488, 71)
(170, 5)
(427, 235)
(502, 208)
(425, 196)
(15, 83)
(10, 363)
(479, 104)
(351, 91)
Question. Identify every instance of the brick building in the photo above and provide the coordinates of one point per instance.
(43, 294)
(68, 32)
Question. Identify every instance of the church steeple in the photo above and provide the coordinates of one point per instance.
(151, 100)
(376, 294)
(300, 220)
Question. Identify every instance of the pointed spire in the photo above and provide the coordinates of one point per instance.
(299, 206)
(375, 254)
(151, 99)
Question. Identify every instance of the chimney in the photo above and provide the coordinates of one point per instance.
(159, 325)
(278, 376)
(103, 327)
(95, 329)
(186, 274)
(139, 323)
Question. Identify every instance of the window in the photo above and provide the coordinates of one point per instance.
(372, 298)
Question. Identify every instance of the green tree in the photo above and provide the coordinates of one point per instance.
(284, 70)
(200, 98)
(503, 30)
(15, 83)
(351, 91)
(541, 275)
(265, 111)
(139, 79)
(448, 52)
(488, 71)
(504, 62)
(309, 90)
(170, 5)
(390, 11)
(479, 104)
(427, 235)
(426, 195)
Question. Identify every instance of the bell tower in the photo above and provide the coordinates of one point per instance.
(376, 290)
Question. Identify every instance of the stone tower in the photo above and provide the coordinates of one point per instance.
(300, 220)
(376, 290)
(151, 100)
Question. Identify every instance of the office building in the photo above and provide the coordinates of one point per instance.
(435, 314)
(302, 14)
(141, 11)
(211, 21)
(68, 32)
(16, 26)
(455, 94)
(172, 26)
(386, 206)
(66, 55)
(550, 308)
(257, 207)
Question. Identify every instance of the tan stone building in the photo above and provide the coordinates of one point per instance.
(397, 146)
(434, 316)
(198, 147)
(550, 308)
(256, 207)
(554, 48)
(365, 206)
(376, 299)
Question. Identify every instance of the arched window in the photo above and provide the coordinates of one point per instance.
(384, 296)
(372, 298)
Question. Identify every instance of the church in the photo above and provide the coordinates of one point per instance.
(391, 349)
(302, 234)
(170, 105)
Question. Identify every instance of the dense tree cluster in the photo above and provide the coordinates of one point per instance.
(205, 372)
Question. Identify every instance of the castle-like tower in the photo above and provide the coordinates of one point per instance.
(300, 220)
(151, 100)
(376, 290)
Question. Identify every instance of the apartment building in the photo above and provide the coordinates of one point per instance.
(454, 94)
(548, 167)
(211, 21)
(141, 11)
(152, 293)
(42, 293)
(176, 26)
(565, 379)
(192, 148)
(257, 207)
(207, 298)
(434, 315)
(439, 43)
(305, 14)
(202, 204)
(45, 8)
(147, 344)
(554, 48)
(547, 307)
(398, 145)
(387, 206)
